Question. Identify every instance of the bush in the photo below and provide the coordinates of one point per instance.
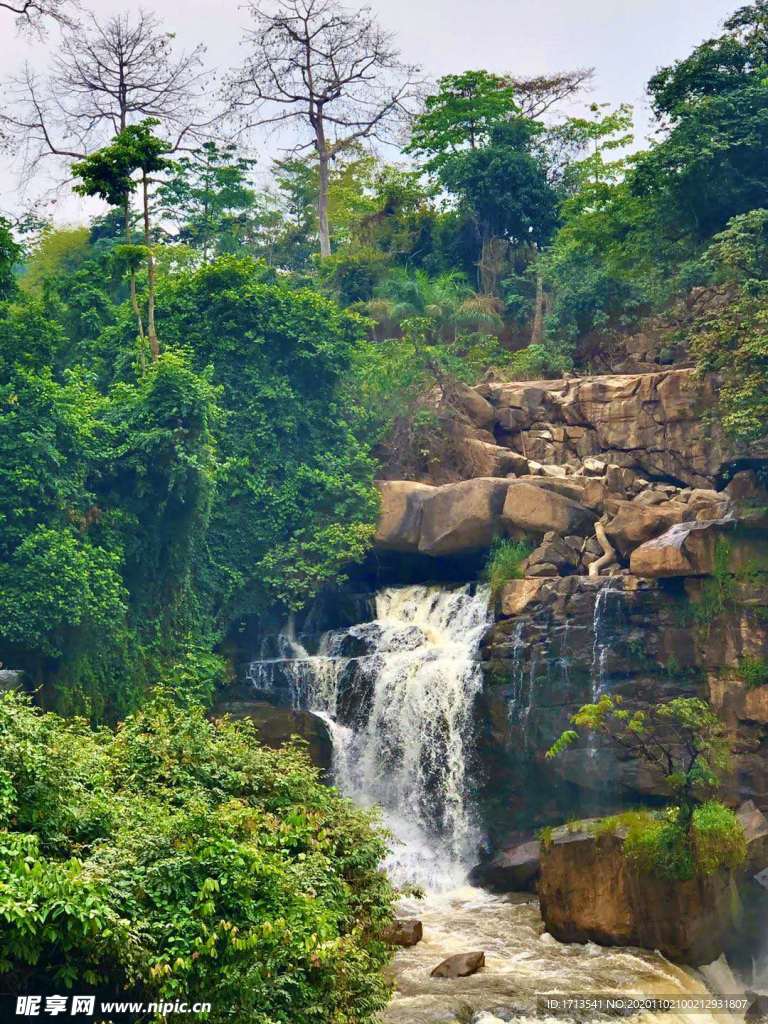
(180, 859)
(505, 563)
(661, 845)
(754, 672)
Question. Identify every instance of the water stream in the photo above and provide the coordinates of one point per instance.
(397, 694)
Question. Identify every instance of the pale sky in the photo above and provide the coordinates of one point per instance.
(624, 40)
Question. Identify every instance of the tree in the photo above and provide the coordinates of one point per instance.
(333, 72)
(682, 739)
(209, 197)
(114, 73)
(32, 14)
(108, 173)
(731, 336)
(10, 251)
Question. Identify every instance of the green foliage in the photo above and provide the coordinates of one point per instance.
(668, 848)
(717, 591)
(753, 671)
(682, 739)
(59, 252)
(182, 859)
(108, 173)
(505, 561)
(10, 251)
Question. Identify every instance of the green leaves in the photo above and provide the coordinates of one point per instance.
(180, 858)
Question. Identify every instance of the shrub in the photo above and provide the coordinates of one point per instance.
(754, 672)
(663, 846)
(181, 859)
(505, 563)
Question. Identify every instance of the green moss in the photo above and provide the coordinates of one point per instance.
(545, 836)
(505, 562)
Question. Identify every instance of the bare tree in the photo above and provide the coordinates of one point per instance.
(333, 71)
(536, 96)
(113, 73)
(33, 14)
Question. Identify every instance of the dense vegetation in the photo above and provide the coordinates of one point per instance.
(177, 858)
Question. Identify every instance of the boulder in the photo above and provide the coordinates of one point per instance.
(512, 870)
(745, 487)
(569, 487)
(403, 932)
(517, 595)
(399, 524)
(492, 460)
(633, 525)
(686, 549)
(554, 550)
(476, 408)
(461, 965)
(589, 892)
(537, 511)
(462, 517)
(277, 726)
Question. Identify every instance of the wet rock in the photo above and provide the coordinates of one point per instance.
(517, 595)
(462, 517)
(538, 511)
(755, 826)
(399, 525)
(461, 965)
(633, 524)
(403, 932)
(276, 726)
(512, 870)
(589, 892)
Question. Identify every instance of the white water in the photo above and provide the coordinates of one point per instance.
(410, 753)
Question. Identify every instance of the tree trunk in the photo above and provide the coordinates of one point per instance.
(322, 206)
(134, 298)
(151, 331)
(537, 331)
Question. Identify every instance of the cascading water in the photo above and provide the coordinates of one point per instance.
(407, 682)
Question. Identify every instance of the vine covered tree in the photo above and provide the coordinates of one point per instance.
(333, 72)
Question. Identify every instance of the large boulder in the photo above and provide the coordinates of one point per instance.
(633, 524)
(462, 517)
(461, 965)
(403, 932)
(589, 892)
(512, 870)
(755, 825)
(399, 525)
(691, 549)
(537, 511)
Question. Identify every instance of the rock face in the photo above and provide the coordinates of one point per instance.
(537, 511)
(462, 517)
(459, 966)
(589, 892)
(399, 526)
(651, 423)
(690, 549)
(275, 727)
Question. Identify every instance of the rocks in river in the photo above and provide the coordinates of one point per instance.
(589, 892)
(461, 965)
(513, 870)
(404, 932)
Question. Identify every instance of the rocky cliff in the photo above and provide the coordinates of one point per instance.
(648, 575)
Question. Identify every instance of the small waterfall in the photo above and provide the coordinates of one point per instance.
(397, 694)
(602, 635)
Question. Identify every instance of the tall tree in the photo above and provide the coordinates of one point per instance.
(112, 74)
(334, 73)
(108, 173)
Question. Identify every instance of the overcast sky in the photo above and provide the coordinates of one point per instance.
(624, 40)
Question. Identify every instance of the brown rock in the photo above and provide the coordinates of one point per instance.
(633, 524)
(589, 892)
(493, 460)
(755, 825)
(461, 965)
(512, 870)
(462, 517)
(403, 932)
(688, 549)
(399, 524)
(478, 409)
(518, 594)
(276, 726)
(538, 511)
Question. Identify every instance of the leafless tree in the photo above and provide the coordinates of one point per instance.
(536, 96)
(33, 14)
(105, 76)
(333, 72)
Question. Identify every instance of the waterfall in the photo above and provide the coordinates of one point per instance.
(603, 636)
(397, 694)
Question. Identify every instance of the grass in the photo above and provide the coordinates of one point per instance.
(505, 563)
(754, 672)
